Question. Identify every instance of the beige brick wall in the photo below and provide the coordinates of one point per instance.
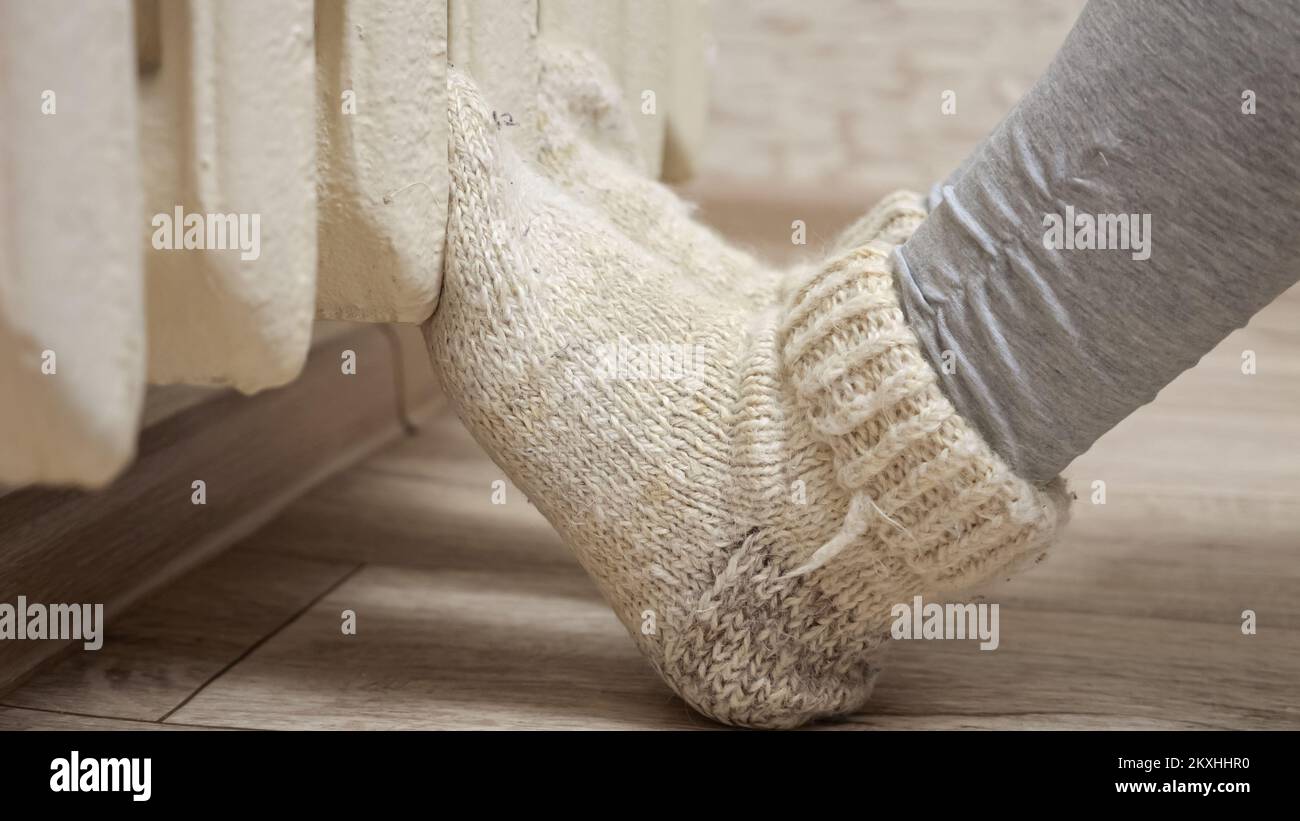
(845, 95)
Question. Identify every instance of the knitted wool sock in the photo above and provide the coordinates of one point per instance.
(588, 148)
(753, 483)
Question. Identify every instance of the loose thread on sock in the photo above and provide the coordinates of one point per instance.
(388, 198)
(862, 510)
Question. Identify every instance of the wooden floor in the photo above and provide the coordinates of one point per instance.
(471, 615)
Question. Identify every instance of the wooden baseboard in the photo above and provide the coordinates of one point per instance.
(254, 454)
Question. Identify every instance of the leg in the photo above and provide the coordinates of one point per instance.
(1140, 113)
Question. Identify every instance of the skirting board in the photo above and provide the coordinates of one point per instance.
(253, 454)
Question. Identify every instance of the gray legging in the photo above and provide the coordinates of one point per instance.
(1188, 112)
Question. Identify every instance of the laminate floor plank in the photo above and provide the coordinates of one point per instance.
(172, 643)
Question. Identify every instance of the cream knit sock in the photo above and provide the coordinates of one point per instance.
(588, 149)
(754, 468)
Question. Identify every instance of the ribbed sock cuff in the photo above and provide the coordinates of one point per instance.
(942, 507)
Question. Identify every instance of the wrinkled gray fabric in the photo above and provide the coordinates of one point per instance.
(1141, 113)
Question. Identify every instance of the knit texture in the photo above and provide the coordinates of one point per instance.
(754, 466)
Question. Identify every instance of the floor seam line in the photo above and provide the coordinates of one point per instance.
(248, 651)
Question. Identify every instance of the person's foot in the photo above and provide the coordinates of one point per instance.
(755, 471)
(588, 147)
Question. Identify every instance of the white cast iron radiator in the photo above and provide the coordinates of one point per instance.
(189, 184)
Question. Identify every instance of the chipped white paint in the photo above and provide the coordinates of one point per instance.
(383, 158)
(70, 243)
(496, 42)
(228, 126)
